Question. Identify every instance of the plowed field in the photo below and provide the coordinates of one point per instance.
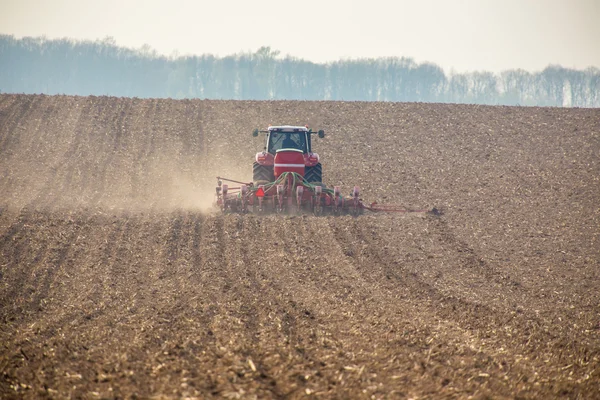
(117, 281)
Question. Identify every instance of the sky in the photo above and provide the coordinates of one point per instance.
(457, 35)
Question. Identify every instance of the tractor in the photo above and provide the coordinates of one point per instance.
(288, 178)
(287, 149)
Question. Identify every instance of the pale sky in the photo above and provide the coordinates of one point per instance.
(463, 35)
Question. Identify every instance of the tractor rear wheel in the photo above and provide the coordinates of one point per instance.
(314, 174)
(262, 173)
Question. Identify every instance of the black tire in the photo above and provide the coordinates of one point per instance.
(314, 174)
(262, 173)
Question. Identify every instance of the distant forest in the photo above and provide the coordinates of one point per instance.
(66, 66)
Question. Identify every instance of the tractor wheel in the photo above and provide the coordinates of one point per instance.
(314, 174)
(262, 173)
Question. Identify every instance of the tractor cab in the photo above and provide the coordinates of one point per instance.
(288, 138)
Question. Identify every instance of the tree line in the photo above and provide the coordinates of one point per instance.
(67, 66)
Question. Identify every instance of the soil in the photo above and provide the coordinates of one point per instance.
(118, 280)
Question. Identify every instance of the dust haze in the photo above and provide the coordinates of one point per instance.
(102, 153)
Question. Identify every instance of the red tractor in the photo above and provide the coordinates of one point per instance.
(287, 149)
(288, 178)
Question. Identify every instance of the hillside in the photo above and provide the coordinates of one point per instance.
(117, 280)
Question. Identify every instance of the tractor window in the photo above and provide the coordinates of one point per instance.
(287, 140)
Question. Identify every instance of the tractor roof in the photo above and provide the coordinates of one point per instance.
(288, 128)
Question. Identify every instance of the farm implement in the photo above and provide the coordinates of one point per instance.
(287, 178)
